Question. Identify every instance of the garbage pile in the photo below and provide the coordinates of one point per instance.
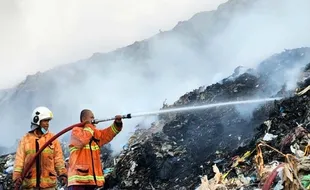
(219, 148)
(277, 157)
(180, 147)
(6, 168)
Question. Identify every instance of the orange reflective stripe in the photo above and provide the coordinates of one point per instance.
(60, 167)
(18, 169)
(72, 149)
(89, 130)
(95, 147)
(44, 181)
(46, 150)
(114, 129)
(84, 178)
(30, 152)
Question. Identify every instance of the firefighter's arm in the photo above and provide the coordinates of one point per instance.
(59, 160)
(19, 160)
(107, 134)
(81, 136)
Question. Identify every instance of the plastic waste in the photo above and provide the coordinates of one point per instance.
(269, 137)
(108, 170)
(9, 170)
(125, 147)
(305, 181)
(9, 163)
(279, 185)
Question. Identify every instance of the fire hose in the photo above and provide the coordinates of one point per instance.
(32, 161)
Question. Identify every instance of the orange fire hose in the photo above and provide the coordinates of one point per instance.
(29, 165)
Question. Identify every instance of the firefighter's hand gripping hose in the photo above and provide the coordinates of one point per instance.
(32, 161)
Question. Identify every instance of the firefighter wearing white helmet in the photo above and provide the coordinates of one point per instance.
(49, 165)
(40, 114)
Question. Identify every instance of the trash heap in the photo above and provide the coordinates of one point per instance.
(180, 147)
(6, 168)
(277, 157)
(220, 148)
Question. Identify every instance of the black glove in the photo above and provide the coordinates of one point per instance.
(118, 121)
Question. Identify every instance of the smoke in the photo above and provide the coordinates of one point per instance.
(264, 28)
(140, 77)
(39, 35)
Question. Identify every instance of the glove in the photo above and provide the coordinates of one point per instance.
(63, 180)
(118, 121)
(18, 182)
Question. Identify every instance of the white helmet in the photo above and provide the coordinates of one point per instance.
(39, 114)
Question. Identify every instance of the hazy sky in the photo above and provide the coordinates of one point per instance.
(39, 34)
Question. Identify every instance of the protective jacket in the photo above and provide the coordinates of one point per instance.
(49, 165)
(84, 161)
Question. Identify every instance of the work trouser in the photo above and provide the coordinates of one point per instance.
(82, 187)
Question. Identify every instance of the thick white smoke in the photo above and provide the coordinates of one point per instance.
(37, 35)
(167, 66)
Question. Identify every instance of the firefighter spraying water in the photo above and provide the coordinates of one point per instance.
(86, 137)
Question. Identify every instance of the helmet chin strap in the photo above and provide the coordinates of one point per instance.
(33, 127)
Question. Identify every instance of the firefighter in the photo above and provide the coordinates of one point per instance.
(85, 170)
(49, 165)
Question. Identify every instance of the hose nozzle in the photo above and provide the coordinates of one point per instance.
(96, 121)
(128, 116)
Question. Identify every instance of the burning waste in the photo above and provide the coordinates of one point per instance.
(260, 145)
(232, 147)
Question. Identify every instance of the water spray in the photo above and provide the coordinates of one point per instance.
(190, 108)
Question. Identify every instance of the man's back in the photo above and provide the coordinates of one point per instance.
(85, 170)
(84, 161)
